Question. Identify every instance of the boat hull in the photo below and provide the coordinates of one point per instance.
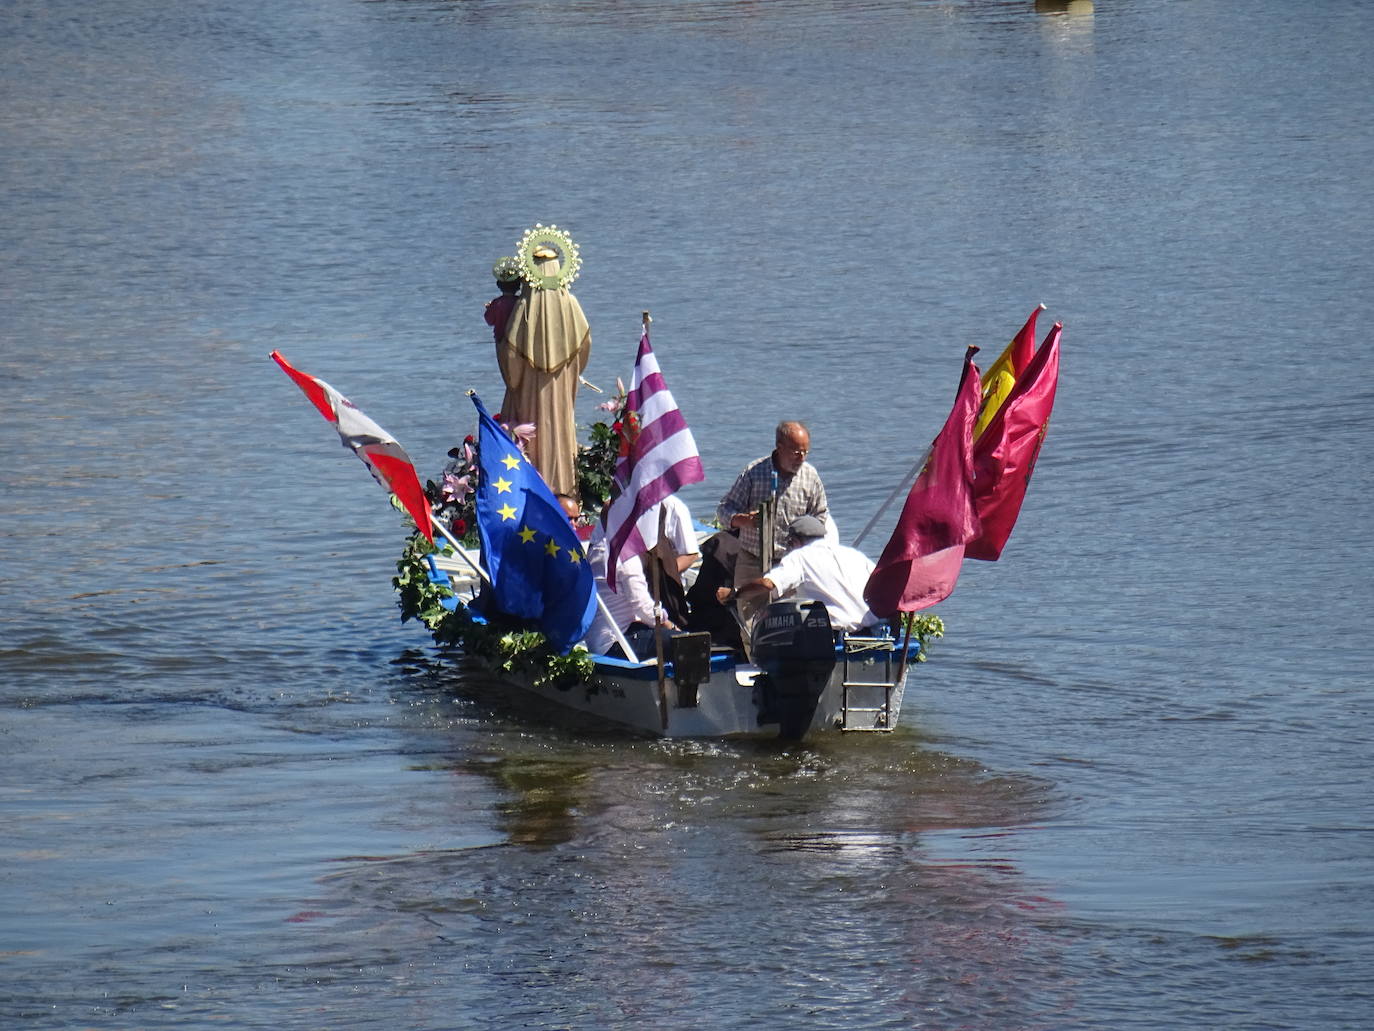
(809, 679)
(863, 692)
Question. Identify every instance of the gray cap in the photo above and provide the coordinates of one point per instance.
(806, 526)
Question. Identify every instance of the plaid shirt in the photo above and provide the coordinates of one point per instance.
(800, 494)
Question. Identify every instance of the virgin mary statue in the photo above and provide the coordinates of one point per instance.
(542, 353)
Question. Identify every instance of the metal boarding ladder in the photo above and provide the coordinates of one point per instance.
(867, 658)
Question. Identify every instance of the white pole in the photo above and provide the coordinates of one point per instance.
(476, 566)
(600, 602)
(904, 485)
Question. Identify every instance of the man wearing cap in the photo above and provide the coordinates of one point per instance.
(785, 475)
(816, 568)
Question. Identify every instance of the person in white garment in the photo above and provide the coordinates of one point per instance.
(819, 568)
(631, 604)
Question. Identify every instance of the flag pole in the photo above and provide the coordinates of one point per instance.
(912, 474)
(600, 601)
(476, 566)
(908, 618)
(904, 485)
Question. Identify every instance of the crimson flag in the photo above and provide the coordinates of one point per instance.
(384, 457)
(920, 564)
(1004, 456)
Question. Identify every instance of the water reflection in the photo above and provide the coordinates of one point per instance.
(640, 879)
(1073, 8)
(543, 798)
(1068, 25)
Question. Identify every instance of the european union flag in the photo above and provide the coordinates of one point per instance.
(537, 567)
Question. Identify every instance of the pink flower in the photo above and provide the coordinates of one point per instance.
(455, 488)
(521, 434)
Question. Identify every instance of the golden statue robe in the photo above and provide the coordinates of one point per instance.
(543, 351)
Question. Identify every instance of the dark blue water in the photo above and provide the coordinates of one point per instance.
(1129, 788)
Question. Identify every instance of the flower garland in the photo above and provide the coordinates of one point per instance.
(507, 269)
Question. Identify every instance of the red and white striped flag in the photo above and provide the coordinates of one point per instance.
(384, 457)
(661, 459)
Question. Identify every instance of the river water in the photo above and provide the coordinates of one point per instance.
(1129, 790)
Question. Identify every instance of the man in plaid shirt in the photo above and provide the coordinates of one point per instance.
(799, 493)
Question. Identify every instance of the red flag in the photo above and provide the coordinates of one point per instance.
(1004, 456)
(921, 562)
(384, 457)
(1004, 372)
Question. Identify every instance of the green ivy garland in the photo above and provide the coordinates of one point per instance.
(513, 649)
(925, 628)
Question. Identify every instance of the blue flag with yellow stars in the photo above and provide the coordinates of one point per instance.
(537, 567)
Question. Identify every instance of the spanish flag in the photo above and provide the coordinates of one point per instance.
(1004, 372)
(1004, 456)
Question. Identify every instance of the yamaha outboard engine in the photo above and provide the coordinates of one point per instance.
(794, 645)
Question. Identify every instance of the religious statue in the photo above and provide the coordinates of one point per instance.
(508, 281)
(542, 351)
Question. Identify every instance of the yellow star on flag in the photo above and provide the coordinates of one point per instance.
(502, 486)
(526, 535)
(551, 548)
(574, 556)
(511, 462)
(505, 512)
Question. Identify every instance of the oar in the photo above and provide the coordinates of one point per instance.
(657, 571)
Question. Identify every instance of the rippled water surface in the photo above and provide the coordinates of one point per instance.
(1129, 789)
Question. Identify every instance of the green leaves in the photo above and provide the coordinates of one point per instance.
(924, 628)
(596, 466)
(515, 651)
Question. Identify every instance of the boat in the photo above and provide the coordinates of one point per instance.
(797, 674)
(802, 677)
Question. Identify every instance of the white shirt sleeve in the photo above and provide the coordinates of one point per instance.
(633, 588)
(679, 527)
(788, 574)
(630, 601)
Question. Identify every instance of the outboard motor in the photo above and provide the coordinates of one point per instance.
(794, 645)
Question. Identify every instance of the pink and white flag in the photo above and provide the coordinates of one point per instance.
(659, 457)
(384, 457)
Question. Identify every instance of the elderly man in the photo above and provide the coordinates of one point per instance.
(818, 569)
(796, 488)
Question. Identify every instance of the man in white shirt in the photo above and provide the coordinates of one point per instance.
(631, 604)
(817, 568)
